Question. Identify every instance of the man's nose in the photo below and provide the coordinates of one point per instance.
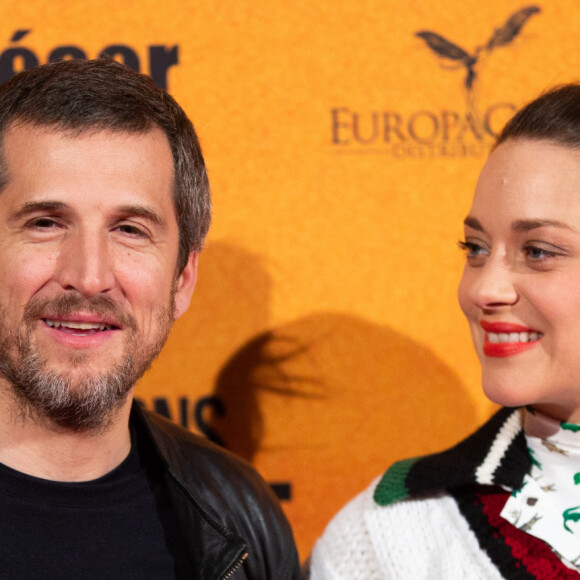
(494, 285)
(84, 264)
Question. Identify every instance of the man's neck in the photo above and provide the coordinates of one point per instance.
(42, 450)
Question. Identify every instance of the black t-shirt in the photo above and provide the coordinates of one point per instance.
(120, 526)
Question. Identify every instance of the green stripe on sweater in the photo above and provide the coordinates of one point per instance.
(392, 486)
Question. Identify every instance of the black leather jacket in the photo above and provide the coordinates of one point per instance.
(230, 520)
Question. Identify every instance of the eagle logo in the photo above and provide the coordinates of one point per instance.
(454, 57)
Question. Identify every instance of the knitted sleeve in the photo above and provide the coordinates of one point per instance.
(423, 538)
(345, 551)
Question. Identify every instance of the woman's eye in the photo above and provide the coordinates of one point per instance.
(536, 253)
(475, 252)
(472, 249)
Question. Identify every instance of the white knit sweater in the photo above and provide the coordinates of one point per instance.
(413, 539)
(406, 526)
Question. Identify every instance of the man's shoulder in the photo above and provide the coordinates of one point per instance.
(169, 432)
(228, 491)
(190, 455)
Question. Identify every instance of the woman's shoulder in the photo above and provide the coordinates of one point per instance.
(363, 522)
(420, 537)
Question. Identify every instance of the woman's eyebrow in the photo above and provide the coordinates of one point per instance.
(532, 224)
(473, 223)
(525, 225)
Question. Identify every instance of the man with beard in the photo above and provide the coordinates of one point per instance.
(104, 205)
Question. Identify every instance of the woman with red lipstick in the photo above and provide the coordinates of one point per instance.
(505, 502)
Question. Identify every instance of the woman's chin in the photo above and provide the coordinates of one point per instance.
(507, 395)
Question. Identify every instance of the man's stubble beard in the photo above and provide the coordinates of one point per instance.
(80, 401)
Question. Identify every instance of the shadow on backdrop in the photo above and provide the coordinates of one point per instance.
(350, 379)
(324, 404)
(230, 304)
(320, 405)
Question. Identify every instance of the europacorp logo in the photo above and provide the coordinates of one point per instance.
(19, 55)
(429, 133)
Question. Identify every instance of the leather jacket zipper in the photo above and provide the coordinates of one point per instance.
(235, 567)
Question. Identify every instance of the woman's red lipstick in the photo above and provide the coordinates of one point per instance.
(507, 339)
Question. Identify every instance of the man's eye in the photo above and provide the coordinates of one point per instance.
(42, 223)
(132, 230)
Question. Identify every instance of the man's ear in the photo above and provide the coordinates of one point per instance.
(185, 284)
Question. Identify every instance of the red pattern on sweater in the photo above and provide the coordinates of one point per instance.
(534, 554)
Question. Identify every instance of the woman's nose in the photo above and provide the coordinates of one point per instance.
(492, 285)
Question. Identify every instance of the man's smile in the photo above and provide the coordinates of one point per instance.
(79, 328)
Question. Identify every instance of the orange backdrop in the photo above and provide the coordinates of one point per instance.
(343, 141)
